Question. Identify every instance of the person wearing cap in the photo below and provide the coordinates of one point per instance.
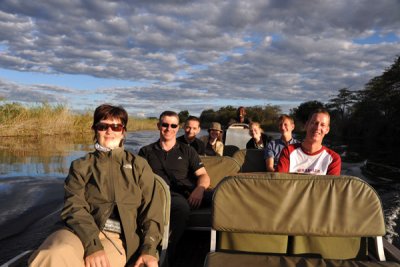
(213, 142)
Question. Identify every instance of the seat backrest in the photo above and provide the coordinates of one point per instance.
(219, 167)
(229, 150)
(163, 191)
(250, 160)
(237, 135)
(297, 205)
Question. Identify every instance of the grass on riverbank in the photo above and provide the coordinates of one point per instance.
(44, 119)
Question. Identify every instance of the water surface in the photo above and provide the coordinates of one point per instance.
(29, 165)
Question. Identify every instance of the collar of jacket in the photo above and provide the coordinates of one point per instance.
(116, 152)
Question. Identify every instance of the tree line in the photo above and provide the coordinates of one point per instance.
(367, 121)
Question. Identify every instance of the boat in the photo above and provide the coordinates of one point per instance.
(242, 174)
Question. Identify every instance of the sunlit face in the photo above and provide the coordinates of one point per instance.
(167, 132)
(317, 127)
(192, 128)
(254, 131)
(286, 126)
(109, 138)
(214, 133)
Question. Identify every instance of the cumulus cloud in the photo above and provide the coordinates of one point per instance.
(191, 54)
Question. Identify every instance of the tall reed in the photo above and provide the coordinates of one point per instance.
(45, 119)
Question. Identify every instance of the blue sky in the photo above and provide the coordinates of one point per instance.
(149, 56)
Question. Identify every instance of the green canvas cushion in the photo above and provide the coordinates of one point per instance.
(215, 259)
(252, 242)
(218, 167)
(298, 205)
(323, 215)
(329, 247)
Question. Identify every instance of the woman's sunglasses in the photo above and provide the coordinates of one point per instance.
(116, 127)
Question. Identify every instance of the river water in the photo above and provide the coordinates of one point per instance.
(29, 165)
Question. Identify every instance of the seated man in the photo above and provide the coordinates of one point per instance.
(180, 166)
(274, 148)
(310, 156)
(192, 128)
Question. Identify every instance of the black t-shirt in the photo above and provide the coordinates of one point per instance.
(197, 144)
(182, 161)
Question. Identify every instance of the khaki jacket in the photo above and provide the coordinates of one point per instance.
(100, 181)
(218, 148)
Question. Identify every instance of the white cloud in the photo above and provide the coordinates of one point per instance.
(190, 54)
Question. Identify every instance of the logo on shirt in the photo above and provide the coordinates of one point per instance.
(179, 157)
(127, 166)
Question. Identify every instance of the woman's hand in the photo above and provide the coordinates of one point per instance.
(97, 259)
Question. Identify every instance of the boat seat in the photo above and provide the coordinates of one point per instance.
(250, 160)
(237, 134)
(229, 150)
(296, 220)
(165, 196)
(240, 260)
(217, 168)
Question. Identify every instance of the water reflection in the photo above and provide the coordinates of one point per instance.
(51, 156)
(33, 162)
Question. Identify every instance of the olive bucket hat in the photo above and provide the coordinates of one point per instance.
(215, 126)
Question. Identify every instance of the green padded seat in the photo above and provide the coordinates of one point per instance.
(319, 219)
(217, 168)
(258, 260)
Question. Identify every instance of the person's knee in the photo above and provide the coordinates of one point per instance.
(180, 206)
(61, 246)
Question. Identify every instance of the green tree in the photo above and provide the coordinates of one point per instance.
(375, 121)
(343, 102)
(301, 113)
(183, 115)
(207, 116)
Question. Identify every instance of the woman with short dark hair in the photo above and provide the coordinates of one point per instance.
(110, 210)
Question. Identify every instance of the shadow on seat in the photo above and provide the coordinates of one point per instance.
(217, 168)
(336, 214)
(250, 160)
(229, 150)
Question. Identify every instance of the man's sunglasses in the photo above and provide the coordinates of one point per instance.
(166, 125)
(116, 127)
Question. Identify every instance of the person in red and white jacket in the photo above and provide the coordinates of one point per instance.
(310, 156)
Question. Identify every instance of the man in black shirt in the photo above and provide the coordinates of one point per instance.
(180, 166)
(192, 128)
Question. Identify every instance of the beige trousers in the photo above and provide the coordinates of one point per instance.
(64, 248)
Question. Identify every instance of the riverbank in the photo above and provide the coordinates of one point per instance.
(45, 120)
